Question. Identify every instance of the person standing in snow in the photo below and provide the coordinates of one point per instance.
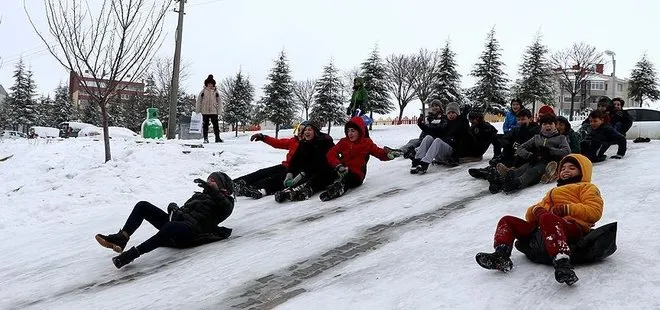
(349, 158)
(268, 181)
(210, 106)
(510, 121)
(195, 223)
(358, 99)
(564, 216)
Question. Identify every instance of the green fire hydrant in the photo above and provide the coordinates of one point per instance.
(152, 128)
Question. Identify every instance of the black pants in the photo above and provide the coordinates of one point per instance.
(270, 179)
(351, 181)
(205, 125)
(497, 146)
(170, 234)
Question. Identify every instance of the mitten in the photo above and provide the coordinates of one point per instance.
(393, 154)
(257, 137)
(616, 156)
(342, 171)
(207, 188)
(538, 211)
(288, 180)
(560, 210)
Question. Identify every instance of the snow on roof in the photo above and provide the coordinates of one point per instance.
(596, 78)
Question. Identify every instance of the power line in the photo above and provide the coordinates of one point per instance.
(204, 3)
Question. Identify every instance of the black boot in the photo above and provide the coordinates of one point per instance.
(242, 189)
(422, 167)
(283, 195)
(498, 260)
(124, 258)
(218, 140)
(495, 182)
(564, 270)
(413, 166)
(302, 192)
(116, 242)
(511, 185)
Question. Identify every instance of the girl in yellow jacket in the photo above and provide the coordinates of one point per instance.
(564, 216)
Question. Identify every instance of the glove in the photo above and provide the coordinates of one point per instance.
(290, 181)
(394, 154)
(560, 210)
(201, 183)
(172, 207)
(538, 211)
(616, 156)
(257, 137)
(342, 171)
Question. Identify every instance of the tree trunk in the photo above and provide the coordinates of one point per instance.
(277, 130)
(371, 115)
(236, 129)
(570, 116)
(306, 113)
(106, 134)
(329, 126)
(400, 115)
(423, 108)
(534, 107)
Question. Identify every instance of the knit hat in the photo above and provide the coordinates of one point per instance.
(223, 181)
(437, 103)
(209, 80)
(546, 109)
(453, 107)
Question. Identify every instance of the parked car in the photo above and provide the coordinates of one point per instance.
(71, 129)
(45, 132)
(11, 134)
(646, 123)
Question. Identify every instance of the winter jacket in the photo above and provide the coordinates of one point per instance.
(521, 134)
(453, 132)
(359, 98)
(208, 101)
(204, 211)
(603, 135)
(621, 121)
(555, 144)
(585, 205)
(571, 135)
(510, 121)
(310, 156)
(480, 137)
(355, 155)
(290, 144)
(431, 122)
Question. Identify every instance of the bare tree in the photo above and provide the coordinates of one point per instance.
(347, 78)
(304, 92)
(424, 76)
(113, 43)
(226, 87)
(573, 66)
(161, 68)
(399, 81)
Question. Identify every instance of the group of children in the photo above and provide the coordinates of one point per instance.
(525, 154)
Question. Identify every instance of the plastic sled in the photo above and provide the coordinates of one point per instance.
(598, 244)
(367, 120)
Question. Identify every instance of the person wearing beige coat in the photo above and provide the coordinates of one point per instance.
(210, 106)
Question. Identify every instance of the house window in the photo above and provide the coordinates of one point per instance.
(619, 87)
(597, 85)
(124, 97)
(568, 99)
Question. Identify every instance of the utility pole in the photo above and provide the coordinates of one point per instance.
(174, 89)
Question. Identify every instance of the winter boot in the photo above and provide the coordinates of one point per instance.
(550, 174)
(126, 257)
(564, 270)
(206, 140)
(498, 260)
(283, 195)
(511, 185)
(410, 153)
(116, 242)
(218, 140)
(413, 167)
(334, 191)
(495, 183)
(478, 173)
(422, 167)
(502, 169)
(239, 186)
(302, 192)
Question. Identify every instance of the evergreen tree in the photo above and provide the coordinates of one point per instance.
(91, 114)
(491, 82)
(44, 112)
(328, 106)
(20, 104)
(117, 113)
(135, 112)
(238, 106)
(278, 104)
(643, 81)
(448, 87)
(374, 74)
(63, 109)
(536, 84)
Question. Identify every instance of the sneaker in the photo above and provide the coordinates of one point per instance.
(564, 270)
(550, 174)
(125, 258)
(302, 192)
(415, 164)
(422, 167)
(116, 242)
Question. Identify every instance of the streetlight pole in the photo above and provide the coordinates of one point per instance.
(612, 54)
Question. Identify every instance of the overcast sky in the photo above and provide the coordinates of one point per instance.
(224, 35)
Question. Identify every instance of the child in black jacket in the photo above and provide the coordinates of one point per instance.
(602, 135)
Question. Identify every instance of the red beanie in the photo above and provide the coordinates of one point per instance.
(547, 109)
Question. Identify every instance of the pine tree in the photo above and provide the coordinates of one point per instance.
(44, 112)
(20, 104)
(91, 114)
(238, 106)
(136, 112)
(643, 81)
(448, 87)
(491, 82)
(63, 110)
(117, 113)
(536, 84)
(328, 106)
(277, 102)
(374, 72)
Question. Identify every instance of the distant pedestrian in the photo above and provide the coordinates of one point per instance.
(209, 105)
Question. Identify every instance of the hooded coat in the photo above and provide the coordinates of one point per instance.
(556, 144)
(310, 156)
(571, 135)
(510, 121)
(208, 101)
(355, 155)
(359, 97)
(585, 204)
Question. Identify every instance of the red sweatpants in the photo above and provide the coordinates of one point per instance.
(556, 231)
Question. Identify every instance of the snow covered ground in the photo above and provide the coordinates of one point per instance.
(400, 241)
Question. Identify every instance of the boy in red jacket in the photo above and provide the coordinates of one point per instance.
(349, 157)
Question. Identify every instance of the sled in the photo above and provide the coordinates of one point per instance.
(6, 157)
(595, 246)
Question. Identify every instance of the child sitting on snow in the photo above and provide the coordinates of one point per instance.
(540, 154)
(195, 223)
(349, 157)
(600, 138)
(564, 216)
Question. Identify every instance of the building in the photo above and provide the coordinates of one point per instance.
(595, 86)
(3, 95)
(80, 97)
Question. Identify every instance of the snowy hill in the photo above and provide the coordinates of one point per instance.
(400, 241)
